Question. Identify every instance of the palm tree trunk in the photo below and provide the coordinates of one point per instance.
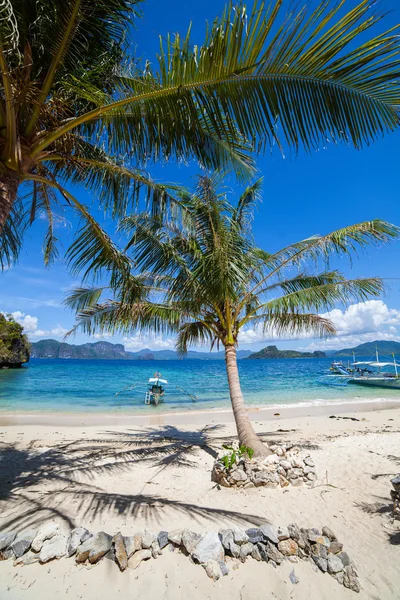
(9, 182)
(247, 435)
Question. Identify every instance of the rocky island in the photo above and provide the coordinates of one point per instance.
(273, 352)
(14, 345)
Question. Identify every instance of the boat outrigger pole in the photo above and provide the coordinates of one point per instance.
(194, 398)
(130, 387)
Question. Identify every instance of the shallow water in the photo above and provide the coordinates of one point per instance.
(91, 385)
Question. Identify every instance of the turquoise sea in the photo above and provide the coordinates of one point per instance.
(91, 385)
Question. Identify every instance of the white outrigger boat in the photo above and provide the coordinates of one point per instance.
(373, 373)
(155, 390)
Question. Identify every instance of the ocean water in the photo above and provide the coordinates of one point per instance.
(91, 385)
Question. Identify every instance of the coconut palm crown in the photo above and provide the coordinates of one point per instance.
(202, 277)
(76, 110)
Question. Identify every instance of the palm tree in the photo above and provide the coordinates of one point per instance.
(202, 277)
(72, 112)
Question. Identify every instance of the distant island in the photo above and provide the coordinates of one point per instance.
(14, 345)
(109, 351)
(369, 348)
(273, 352)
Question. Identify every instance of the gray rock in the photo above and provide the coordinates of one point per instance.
(175, 536)
(297, 464)
(294, 531)
(335, 565)
(45, 533)
(313, 534)
(288, 547)
(138, 557)
(319, 550)
(238, 475)
(224, 568)
(240, 536)
(311, 476)
(339, 577)
(246, 550)
(6, 539)
(326, 531)
(263, 478)
(120, 553)
(132, 543)
(190, 540)
(345, 558)
(335, 547)
(162, 539)
(274, 554)
(270, 533)
(212, 569)
(283, 533)
(285, 464)
(321, 563)
(54, 548)
(297, 482)
(155, 549)
(273, 564)
(208, 549)
(350, 579)
(309, 461)
(293, 577)
(148, 537)
(94, 548)
(256, 554)
(77, 536)
(226, 537)
(309, 470)
(396, 483)
(27, 559)
(6, 554)
(23, 542)
(255, 535)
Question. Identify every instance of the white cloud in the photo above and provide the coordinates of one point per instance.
(154, 342)
(30, 325)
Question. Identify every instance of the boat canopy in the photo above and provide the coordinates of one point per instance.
(382, 364)
(157, 380)
(363, 362)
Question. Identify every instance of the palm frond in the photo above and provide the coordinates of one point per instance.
(278, 324)
(194, 333)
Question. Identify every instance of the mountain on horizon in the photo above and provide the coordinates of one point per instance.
(108, 351)
(369, 348)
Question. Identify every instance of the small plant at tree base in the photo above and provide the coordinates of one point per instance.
(236, 453)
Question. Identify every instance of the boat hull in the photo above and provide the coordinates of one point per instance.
(378, 382)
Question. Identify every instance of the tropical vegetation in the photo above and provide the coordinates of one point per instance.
(76, 109)
(14, 345)
(200, 275)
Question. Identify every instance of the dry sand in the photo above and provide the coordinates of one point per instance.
(127, 473)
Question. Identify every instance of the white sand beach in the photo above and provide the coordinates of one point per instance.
(127, 473)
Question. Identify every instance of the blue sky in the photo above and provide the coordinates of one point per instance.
(303, 195)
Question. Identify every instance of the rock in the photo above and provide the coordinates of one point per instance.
(286, 464)
(212, 569)
(319, 550)
(396, 483)
(335, 565)
(297, 482)
(281, 471)
(350, 579)
(209, 548)
(155, 549)
(27, 559)
(339, 577)
(274, 554)
(120, 553)
(238, 475)
(245, 550)
(190, 540)
(294, 531)
(45, 533)
(283, 481)
(53, 548)
(6, 539)
(308, 470)
(262, 548)
(313, 534)
(162, 539)
(226, 537)
(323, 540)
(255, 535)
(175, 536)
(345, 558)
(23, 542)
(297, 463)
(321, 563)
(6, 554)
(335, 547)
(256, 554)
(270, 533)
(293, 577)
(288, 547)
(283, 533)
(309, 461)
(279, 451)
(94, 548)
(263, 478)
(148, 537)
(224, 568)
(272, 459)
(76, 537)
(240, 536)
(311, 477)
(132, 543)
(137, 558)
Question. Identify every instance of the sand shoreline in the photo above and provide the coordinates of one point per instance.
(271, 413)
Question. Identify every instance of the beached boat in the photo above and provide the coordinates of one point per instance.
(156, 389)
(372, 373)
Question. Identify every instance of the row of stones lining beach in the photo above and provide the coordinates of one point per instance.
(217, 553)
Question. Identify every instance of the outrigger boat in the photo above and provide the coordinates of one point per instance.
(155, 390)
(371, 373)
